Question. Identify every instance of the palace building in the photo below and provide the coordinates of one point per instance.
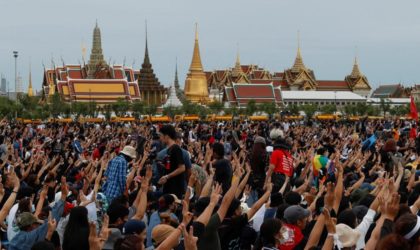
(97, 81)
(297, 78)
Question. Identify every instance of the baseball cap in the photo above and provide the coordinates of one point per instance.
(133, 227)
(294, 213)
(26, 219)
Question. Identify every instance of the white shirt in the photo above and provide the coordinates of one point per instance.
(12, 229)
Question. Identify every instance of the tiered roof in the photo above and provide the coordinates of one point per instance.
(239, 94)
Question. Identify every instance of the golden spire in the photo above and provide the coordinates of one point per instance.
(237, 71)
(298, 65)
(196, 60)
(356, 71)
(30, 90)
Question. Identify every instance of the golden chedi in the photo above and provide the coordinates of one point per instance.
(196, 89)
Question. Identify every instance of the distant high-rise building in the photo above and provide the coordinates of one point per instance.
(19, 84)
(3, 86)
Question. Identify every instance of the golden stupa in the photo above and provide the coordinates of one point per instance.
(196, 89)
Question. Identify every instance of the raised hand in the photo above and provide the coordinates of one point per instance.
(190, 241)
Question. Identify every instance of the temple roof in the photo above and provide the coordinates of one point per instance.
(147, 77)
(240, 94)
(388, 91)
(333, 85)
(172, 100)
(321, 95)
(356, 71)
(298, 64)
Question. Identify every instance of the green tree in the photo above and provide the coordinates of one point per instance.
(350, 109)
(152, 110)
(107, 111)
(56, 105)
(138, 108)
(171, 111)
(80, 109)
(293, 109)
(251, 107)
(372, 110)
(120, 107)
(269, 108)
(233, 110)
(384, 105)
(309, 110)
(216, 107)
(92, 108)
(328, 109)
(361, 108)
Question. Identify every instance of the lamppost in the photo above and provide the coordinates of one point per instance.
(15, 55)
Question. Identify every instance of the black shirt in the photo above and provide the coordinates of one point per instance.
(175, 185)
(230, 232)
(223, 173)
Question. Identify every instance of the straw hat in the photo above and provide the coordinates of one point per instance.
(129, 151)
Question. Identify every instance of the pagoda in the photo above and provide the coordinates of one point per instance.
(357, 81)
(152, 92)
(299, 77)
(30, 89)
(172, 100)
(196, 89)
(95, 82)
(96, 61)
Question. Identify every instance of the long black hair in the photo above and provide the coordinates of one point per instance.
(268, 230)
(76, 233)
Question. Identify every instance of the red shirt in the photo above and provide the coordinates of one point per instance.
(282, 161)
(294, 237)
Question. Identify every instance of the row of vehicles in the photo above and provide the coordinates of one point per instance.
(208, 118)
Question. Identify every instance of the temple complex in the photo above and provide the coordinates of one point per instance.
(97, 81)
(297, 78)
(152, 92)
(196, 89)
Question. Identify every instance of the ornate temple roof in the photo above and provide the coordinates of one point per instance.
(241, 93)
(356, 71)
(96, 61)
(196, 64)
(147, 78)
(390, 91)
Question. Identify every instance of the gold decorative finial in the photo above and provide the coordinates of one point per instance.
(196, 31)
(196, 64)
(298, 65)
(355, 73)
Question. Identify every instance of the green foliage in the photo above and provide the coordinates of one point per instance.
(373, 111)
(171, 111)
(350, 110)
(80, 109)
(384, 105)
(328, 109)
(293, 109)
(216, 107)
(107, 110)
(269, 108)
(361, 108)
(309, 109)
(56, 105)
(120, 107)
(138, 108)
(232, 111)
(251, 107)
(400, 110)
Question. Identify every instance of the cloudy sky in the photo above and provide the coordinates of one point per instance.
(385, 34)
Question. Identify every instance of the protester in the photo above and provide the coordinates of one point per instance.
(206, 185)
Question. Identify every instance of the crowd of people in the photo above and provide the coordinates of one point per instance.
(210, 185)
